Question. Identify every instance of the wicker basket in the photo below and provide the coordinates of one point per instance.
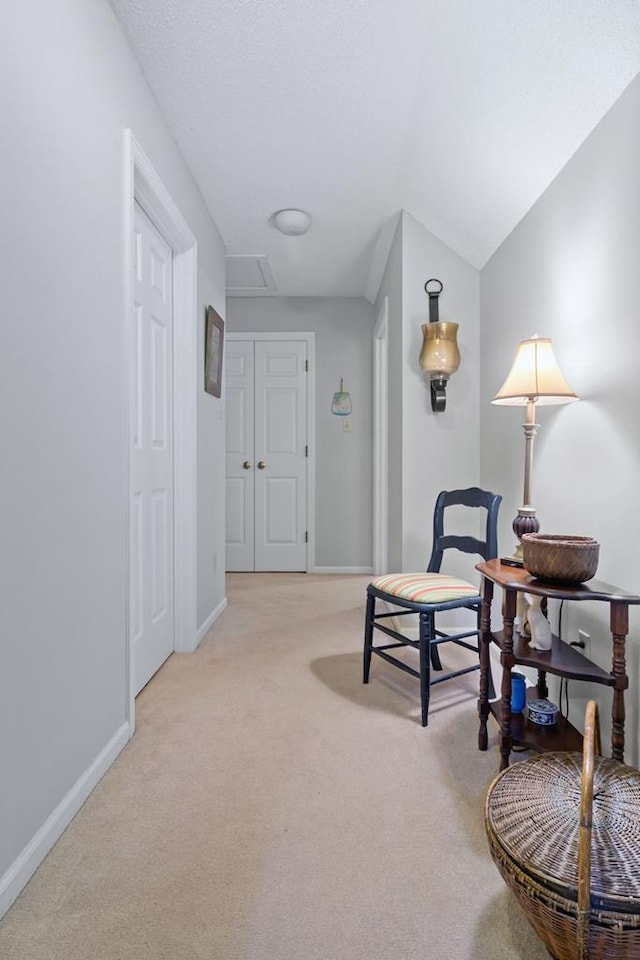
(560, 558)
(573, 865)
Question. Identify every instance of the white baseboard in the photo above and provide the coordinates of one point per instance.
(39, 846)
(203, 630)
(344, 570)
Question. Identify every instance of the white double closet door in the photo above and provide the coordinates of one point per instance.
(267, 454)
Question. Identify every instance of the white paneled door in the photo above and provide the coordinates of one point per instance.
(240, 493)
(267, 454)
(152, 442)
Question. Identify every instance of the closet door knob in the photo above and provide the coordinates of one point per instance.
(261, 464)
(247, 465)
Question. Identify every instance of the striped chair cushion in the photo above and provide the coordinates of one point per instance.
(426, 587)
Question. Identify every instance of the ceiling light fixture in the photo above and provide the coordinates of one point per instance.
(292, 222)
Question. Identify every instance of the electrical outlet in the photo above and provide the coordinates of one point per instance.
(346, 425)
(584, 639)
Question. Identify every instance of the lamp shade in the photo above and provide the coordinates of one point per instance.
(535, 375)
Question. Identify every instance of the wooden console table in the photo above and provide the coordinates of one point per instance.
(562, 660)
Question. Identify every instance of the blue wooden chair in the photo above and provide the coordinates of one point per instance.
(428, 593)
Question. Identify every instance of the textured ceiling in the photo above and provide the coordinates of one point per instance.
(460, 111)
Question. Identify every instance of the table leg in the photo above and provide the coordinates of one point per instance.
(484, 641)
(542, 688)
(619, 630)
(507, 660)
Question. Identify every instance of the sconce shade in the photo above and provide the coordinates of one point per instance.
(440, 356)
(535, 375)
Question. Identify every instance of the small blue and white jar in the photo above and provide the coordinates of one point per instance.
(543, 712)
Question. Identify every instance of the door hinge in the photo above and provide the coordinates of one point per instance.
(306, 450)
(306, 366)
(306, 536)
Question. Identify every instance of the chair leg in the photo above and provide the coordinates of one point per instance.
(368, 636)
(425, 664)
(436, 663)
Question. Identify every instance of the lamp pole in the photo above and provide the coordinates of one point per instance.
(526, 520)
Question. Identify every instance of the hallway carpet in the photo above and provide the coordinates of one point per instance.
(272, 807)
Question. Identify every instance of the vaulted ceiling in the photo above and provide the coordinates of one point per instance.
(460, 111)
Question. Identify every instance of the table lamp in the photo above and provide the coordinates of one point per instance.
(534, 378)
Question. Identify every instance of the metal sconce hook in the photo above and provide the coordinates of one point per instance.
(439, 356)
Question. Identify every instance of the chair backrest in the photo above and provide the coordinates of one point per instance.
(472, 497)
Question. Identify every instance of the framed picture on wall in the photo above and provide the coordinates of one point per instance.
(213, 342)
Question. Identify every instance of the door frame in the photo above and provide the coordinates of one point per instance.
(310, 340)
(381, 441)
(142, 184)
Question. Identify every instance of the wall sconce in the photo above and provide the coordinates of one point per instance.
(534, 378)
(341, 403)
(439, 356)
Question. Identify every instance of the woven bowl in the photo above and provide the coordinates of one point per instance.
(560, 558)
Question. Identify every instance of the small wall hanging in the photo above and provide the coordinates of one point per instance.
(341, 403)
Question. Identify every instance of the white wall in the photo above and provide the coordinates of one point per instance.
(391, 287)
(344, 461)
(70, 88)
(571, 271)
(211, 460)
(428, 452)
(440, 451)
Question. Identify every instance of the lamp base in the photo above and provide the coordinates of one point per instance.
(525, 522)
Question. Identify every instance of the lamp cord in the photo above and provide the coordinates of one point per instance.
(564, 681)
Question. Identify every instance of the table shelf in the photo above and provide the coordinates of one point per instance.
(561, 736)
(562, 660)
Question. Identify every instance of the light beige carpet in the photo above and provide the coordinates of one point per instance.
(272, 807)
